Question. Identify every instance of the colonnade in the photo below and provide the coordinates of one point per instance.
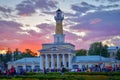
(53, 61)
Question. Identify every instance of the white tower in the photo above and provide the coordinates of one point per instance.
(59, 36)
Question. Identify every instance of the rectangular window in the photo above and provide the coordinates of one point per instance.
(58, 39)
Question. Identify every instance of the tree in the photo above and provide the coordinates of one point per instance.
(104, 51)
(27, 53)
(98, 48)
(17, 54)
(8, 56)
(118, 54)
(81, 52)
(1, 58)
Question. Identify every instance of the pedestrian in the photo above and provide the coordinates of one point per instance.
(8, 72)
(12, 70)
(63, 70)
(0, 72)
(45, 71)
(89, 70)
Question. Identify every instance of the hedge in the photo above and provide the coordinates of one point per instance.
(67, 76)
(77, 73)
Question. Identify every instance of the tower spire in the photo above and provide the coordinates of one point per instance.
(59, 17)
(59, 36)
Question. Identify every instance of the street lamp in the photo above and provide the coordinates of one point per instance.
(25, 65)
(100, 51)
(115, 58)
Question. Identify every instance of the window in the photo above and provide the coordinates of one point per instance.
(28, 68)
(113, 54)
(58, 40)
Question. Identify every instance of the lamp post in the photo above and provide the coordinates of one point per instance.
(25, 65)
(100, 51)
(100, 56)
(115, 58)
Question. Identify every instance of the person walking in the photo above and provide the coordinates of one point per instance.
(45, 71)
(63, 70)
(12, 70)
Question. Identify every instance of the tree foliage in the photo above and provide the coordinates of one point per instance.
(98, 48)
(15, 55)
(81, 52)
(1, 58)
(28, 53)
(8, 56)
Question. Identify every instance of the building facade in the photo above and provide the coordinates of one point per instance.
(113, 51)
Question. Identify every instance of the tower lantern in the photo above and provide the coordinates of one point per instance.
(59, 36)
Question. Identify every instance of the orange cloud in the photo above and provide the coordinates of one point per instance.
(24, 15)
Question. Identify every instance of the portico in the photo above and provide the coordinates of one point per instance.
(55, 61)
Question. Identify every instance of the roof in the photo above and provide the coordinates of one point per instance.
(95, 58)
(76, 59)
(58, 10)
(113, 47)
(28, 60)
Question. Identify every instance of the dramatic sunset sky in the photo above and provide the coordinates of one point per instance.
(26, 24)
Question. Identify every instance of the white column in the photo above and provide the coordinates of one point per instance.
(52, 62)
(64, 62)
(32, 66)
(80, 66)
(46, 61)
(58, 61)
(70, 62)
(24, 66)
(41, 62)
(9, 66)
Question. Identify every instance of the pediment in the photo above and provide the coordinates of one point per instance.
(54, 49)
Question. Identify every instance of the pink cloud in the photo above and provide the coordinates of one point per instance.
(95, 21)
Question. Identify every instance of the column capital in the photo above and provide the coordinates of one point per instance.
(57, 54)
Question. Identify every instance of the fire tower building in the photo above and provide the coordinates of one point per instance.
(59, 53)
(55, 55)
